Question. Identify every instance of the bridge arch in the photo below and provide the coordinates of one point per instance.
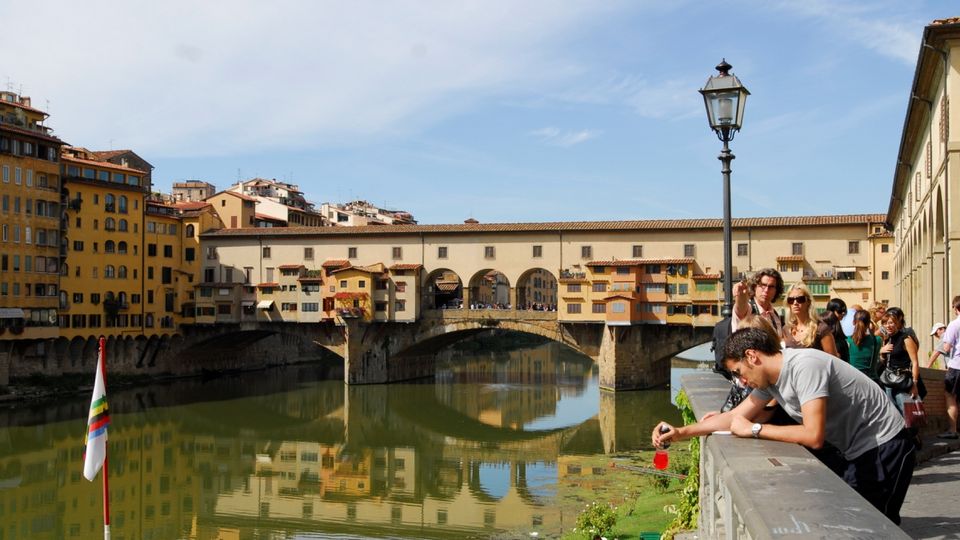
(442, 288)
(537, 289)
(490, 288)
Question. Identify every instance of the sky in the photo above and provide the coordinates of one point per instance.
(501, 111)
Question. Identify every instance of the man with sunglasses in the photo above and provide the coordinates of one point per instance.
(876, 452)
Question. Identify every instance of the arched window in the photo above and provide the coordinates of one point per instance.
(122, 298)
(109, 203)
(109, 271)
(122, 225)
(110, 224)
(109, 247)
(122, 204)
(122, 248)
(188, 231)
(64, 270)
(122, 272)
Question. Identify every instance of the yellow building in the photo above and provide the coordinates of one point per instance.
(30, 221)
(166, 285)
(235, 209)
(102, 282)
(354, 291)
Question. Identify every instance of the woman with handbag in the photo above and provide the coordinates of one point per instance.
(864, 346)
(901, 368)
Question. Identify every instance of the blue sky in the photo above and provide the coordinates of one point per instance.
(502, 111)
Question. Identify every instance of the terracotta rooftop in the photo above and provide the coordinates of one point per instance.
(941, 22)
(406, 267)
(290, 266)
(104, 164)
(31, 133)
(107, 154)
(19, 105)
(790, 258)
(559, 226)
(638, 262)
(270, 285)
(191, 205)
(335, 263)
(706, 276)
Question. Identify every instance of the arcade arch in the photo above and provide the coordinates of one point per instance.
(490, 289)
(537, 290)
(442, 289)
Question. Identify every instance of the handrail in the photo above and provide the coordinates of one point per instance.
(756, 489)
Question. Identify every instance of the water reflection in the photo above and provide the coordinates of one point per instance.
(474, 452)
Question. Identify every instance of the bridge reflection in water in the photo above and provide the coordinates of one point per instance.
(482, 449)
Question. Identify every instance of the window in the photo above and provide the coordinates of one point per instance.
(574, 308)
(397, 253)
(122, 204)
(351, 253)
(189, 254)
(652, 269)
(688, 250)
(600, 287)
(853, 247)
(637, 252)
(168, 251)
(400, 305)
(488, 252)
(623, 270)
(152, 250)
(885, 248)
(797, 248)
(379, 306)
(265, 252)
(884, 275)
(343, 284)
(189, 231)
(109, 247)
(537, 251)
(122, 225)
(586, 252)
(362, 283)
(310, 306)
(573, 287)
(442, 252)
(77, 298)
(619, 307)
(741, 250)
(599, 307)
(683, 288)
(308, 253)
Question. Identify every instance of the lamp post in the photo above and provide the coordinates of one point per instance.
(725, 97)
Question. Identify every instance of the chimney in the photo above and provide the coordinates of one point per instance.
(470, 221)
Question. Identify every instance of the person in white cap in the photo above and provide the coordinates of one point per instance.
(937, 331)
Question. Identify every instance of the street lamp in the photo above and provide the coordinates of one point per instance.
(725, 98)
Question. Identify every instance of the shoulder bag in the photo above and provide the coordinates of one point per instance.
(899, 380)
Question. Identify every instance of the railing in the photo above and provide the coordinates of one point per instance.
(487, 314)
(759, 489)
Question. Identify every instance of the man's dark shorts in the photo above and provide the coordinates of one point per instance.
(951, 382)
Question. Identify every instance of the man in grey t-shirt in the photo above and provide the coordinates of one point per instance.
(878, 452)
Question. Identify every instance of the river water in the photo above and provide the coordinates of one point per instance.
(493, 446)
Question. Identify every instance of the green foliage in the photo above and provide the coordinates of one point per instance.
(687, 509)
(596, 518)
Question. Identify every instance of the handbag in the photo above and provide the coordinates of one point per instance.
(914, 414)
(896, 379)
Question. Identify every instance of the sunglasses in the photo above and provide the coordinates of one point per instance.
(796, 299)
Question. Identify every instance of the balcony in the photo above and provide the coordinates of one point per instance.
(850, 284)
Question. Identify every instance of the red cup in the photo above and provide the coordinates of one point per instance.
(661, 460)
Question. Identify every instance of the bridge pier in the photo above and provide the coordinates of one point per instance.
(637, 357)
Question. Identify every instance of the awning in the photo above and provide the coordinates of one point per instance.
(846, 269)
(265, 304)
(247, 303)
(11, 313)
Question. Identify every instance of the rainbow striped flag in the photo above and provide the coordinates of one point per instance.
(97, 423)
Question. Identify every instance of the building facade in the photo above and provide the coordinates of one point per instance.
(924, 218)
(638, 272)
(30, 252)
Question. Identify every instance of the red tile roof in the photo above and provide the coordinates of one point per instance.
(290, 266)
(31, 133)
(406, 267)
(191, 205)
(104, 164)
(335, 263)
(790, 258)
(107, 154)
(559, 226)
(447, 286)
(706, 276)
(240, 196)
(270, 285)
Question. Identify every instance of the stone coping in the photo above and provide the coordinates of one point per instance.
(765, 489)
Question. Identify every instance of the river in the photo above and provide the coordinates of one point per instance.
(503, 442)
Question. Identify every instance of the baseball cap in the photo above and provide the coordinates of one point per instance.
(936, 327)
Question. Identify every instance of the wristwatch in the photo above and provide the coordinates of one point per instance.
(755, 430)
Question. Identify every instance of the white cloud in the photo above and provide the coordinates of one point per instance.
(556, 137)
(671, 98)
(186, 78)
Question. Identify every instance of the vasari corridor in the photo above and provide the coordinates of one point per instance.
(479, 270)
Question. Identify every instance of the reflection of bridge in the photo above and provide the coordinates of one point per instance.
(629, 356)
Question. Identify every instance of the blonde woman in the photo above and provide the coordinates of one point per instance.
(804, 330)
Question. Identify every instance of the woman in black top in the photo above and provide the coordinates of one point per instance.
(836, 310)
(899, 352)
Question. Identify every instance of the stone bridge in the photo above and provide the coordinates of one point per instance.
(629, 357)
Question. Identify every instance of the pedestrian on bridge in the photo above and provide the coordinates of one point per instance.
(949, 344)
(876, 451)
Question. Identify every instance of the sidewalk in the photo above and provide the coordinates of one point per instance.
(932, 507)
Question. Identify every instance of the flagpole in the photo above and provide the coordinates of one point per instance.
(106, 483)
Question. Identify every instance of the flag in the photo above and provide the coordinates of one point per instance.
(97, 422)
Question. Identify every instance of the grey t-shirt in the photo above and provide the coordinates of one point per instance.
(859, 416)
